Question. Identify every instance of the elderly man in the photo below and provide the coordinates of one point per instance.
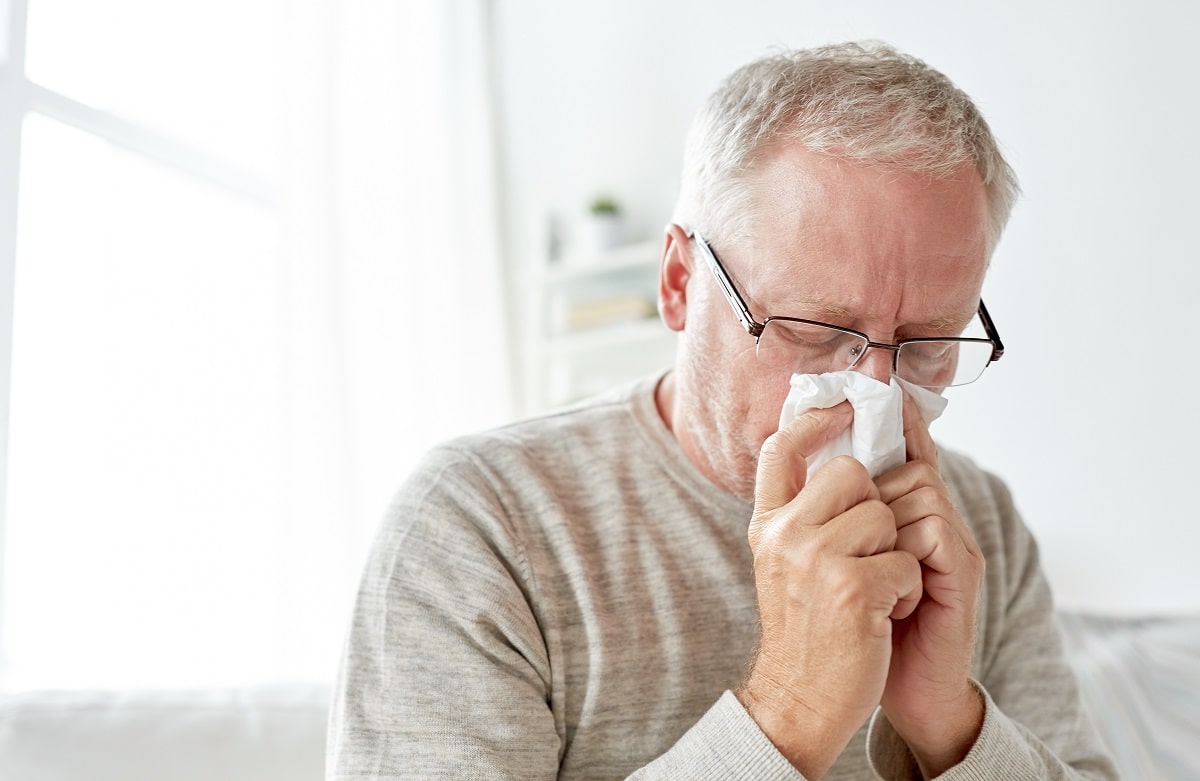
(653, 584)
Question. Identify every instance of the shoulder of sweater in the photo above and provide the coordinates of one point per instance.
(616, 403)
(540, 448)
(607, 416)
(982, 497)
(962, 472)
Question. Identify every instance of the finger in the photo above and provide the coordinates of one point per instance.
(921, 503)
(835, 488)
(924, 504)
(952, 570)
(915, 491)
(932, 541)
(783, 460)
(907, 604)
(918, 444)
(897, 578)
(865, 529)
(909, 478)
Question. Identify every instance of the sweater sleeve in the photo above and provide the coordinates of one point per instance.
(1034, 723)
(725, 744)
(444, 672)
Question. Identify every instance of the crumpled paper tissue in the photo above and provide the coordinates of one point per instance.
(876, 435)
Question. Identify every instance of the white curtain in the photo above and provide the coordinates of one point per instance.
(418, 235)
(395, 244)
(417, 238)
(377, 329)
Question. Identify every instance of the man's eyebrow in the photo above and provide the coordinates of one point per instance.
(816, 309)
(949, 322)
(794, 304)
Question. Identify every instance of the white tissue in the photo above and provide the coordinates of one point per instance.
(876, 435)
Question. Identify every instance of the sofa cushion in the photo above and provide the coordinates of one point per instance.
(1139, 678)
(233, 735)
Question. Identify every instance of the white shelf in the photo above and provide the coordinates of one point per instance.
(631, 257)
(563, 365)
(627, 334)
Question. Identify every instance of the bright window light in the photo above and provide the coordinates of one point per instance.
(236, 222)
(205, 74)
(146, 433)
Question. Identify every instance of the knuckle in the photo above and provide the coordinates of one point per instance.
(890, 535)
(927, 473)
(850, 470)
(933, 494)
(878, 508)
(810, 555)
(765, 536)
(847, 585)
(774, 447)
(878, 519)
(910, 565)
(849, 465)
(939, 527)
(931, 500)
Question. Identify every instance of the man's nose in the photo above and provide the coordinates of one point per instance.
(877, 363)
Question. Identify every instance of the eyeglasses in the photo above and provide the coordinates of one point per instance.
(812, 347)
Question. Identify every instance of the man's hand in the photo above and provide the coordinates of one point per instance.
(928, 698)
(829, 582)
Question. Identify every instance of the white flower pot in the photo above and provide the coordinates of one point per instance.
(603, 232)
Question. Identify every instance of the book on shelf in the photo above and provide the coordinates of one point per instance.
(593, 313)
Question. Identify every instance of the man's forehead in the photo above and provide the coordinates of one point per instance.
(788, 183)
(792, 281)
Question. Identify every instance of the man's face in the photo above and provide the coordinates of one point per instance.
(892, 254)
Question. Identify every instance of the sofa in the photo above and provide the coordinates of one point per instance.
(264, 734)
(1139, 677)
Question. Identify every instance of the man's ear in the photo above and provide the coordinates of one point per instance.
(673, 277)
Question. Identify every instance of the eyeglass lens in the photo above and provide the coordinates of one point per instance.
(814, 349)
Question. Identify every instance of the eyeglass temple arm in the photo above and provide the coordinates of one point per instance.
(990, 329)
(736, 302)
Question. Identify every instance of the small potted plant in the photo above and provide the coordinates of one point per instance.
(605, 224)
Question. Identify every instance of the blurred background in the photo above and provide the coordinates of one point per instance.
(257, 256)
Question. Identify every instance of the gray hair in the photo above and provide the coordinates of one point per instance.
(857, 101)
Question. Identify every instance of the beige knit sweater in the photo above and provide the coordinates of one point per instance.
(568, 598)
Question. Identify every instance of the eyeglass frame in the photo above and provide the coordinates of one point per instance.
(755, 328)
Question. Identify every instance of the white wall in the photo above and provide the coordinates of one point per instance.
(1090, 415)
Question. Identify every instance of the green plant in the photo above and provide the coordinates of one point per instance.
(604, 204)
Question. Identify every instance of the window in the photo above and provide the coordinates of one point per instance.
(210, 393)
(146, 432)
